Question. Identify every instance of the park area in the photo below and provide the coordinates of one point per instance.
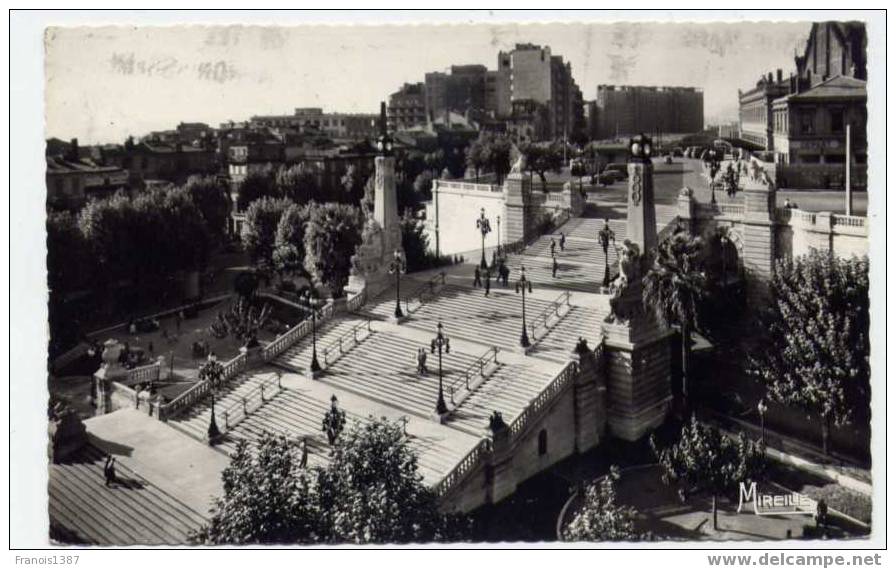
(182, 339)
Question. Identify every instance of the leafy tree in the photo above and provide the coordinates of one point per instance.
(673, 287)
(499, 157)
(373, 492)
(367, 202)
(67, 258)
(434, 161)
(257, 184)
(332, 233)
(542, 159)
(423, 186)
(107, 226)
(260, 230)
(267, 497)
(289, 243)
(353, 183)
(211, 197)
(415, 243)
(298, 183)
(476, 157)
(704, 460)
(185, 230)
(815, 354)
(601, 518)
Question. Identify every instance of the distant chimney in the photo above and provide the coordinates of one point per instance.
(770, 77)
(780, 75)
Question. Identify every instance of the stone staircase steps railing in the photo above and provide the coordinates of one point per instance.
(471, 378)
(346, 342)
(466, 464)
(550, 311)
(252, 401)
(548, 394)
(296, 333)
(201, 389)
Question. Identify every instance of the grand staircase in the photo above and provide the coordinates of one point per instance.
(133, 512)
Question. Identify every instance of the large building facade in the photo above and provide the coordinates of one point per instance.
(623, 110)
(407, 107)
(755, 109)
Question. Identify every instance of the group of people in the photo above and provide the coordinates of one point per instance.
(555, 266)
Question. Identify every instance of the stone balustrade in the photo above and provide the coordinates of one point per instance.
(466, 186)
(145, 373)
(201, 389)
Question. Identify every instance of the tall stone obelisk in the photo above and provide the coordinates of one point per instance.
(636, 346)
(382, 230)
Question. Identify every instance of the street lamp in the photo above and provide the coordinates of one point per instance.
(396, 267)
(761, 407)
(714, 165)
(606, 236)
(211, 372)
(499, 232)
(439, 343)
(522, 285)
(485, 227)
(312, 301)
(641, 148)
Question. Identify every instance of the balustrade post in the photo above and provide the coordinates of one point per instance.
(226, 424)
(262, 392)
(340, 344)
(245, 407)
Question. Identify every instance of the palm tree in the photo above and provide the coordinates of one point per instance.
(673, 287)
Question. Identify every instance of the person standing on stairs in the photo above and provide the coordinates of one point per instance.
(554, 267)
(109, 470)
(303, 462)
(477, 277)
(421, 362)
(488, 281)
(562, 241)
(553, 246)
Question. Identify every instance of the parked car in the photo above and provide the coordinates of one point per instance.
(677, 152)
(618, 167)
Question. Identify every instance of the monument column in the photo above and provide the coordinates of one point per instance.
(381, 234)
(517, 207)
(636, 345)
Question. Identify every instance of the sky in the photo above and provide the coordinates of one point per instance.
(105, 83)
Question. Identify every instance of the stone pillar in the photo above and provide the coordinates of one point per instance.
(641, 228)
(686, 210)
(110, 372)
(503, 477)
(573, 199)
(590, 393)
(759, 235)
(517, 218)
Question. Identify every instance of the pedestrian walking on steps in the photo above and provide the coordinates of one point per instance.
(109, 470)
(303, 463)
(554, 267)
(488, 281)
(477, 278)
(421, 362)
(562, 241)
(505, 274)
(553, 246)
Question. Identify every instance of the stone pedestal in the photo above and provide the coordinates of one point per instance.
(686, 209)
(109, 373)
(573, 196)
(517, 220)
(590, 393)
(758, 234)
(641, 225)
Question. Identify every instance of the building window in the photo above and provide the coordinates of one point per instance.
(542, 442)
(837, 120)
(807, 122)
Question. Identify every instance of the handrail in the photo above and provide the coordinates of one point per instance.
(466, 464)
(474, 369)
(231, 414)
(337, 344)
(427, 287)
(200, 389)
(553, 309)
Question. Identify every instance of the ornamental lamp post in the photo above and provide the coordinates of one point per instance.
(641, 148)
(396, 267)
(713, 159)
(211, 372)
(485, 227)
(499, 232)
(606, 236)
(312, 301)
(523, 285)
(761, 407)
(440, 342)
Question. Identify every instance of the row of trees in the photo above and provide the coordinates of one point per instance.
(370, 491)
(300, 183)
(493, 153)
(314, 240)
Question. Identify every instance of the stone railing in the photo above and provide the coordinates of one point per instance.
(822, 221)
(471, 378)
(201, 389)
(250, 402)
(355, 303)
(294, 334)
(720, 210)
(466, 186)
(848, 220)
(547, 395)
(466, 464)
(145, 373)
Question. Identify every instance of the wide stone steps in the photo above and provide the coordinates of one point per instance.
(494, 320)
(133, 512)
(560, 340)
(296, 415)
(195, 421)
(383, 306)
(298, 357)
(576, 251)
(570, 276)
(508, 390)
(384, 369)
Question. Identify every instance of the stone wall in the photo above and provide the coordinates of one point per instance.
(451, 216)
